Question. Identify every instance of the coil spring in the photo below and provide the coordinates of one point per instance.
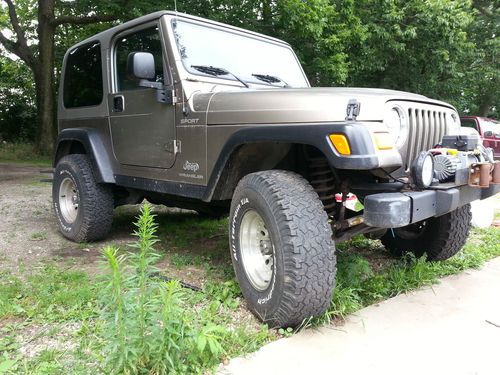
(322, 180)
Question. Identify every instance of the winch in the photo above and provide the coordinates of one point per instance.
(458, 160)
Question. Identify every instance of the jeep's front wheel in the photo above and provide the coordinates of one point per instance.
(282, 248)
(439, 237)
(83, 207)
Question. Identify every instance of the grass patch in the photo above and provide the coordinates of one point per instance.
(23, 153)
(125, 322)
(358, 286)
(38, 236)
(75, 317)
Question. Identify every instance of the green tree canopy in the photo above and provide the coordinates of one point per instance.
(445, 49)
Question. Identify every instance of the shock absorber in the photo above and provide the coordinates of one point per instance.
(322, 180)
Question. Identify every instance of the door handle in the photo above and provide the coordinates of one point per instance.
(118, 103)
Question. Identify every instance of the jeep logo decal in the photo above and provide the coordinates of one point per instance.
(188, 166)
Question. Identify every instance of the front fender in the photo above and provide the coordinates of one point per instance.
(363, 156)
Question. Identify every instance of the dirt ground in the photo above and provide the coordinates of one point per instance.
(29, 233)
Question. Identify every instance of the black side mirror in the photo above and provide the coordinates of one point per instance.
(141, 65)
(488, 134)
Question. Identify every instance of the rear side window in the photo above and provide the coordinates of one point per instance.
(83, 77)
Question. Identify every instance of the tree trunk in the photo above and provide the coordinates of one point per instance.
(485, 103)
(44, 77)
(267, 13)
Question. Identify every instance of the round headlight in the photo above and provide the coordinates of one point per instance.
(423, 170)
(396, 124)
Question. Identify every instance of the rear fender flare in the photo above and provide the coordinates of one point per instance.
(94, 147)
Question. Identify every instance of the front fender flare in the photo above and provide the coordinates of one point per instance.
(363, 157)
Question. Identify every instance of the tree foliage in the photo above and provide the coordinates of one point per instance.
(446, 49)
(17, 104)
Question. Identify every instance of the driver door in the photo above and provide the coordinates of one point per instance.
(142, 129)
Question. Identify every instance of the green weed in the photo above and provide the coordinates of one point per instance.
(38, 236)
(147, 325)
(227, 293)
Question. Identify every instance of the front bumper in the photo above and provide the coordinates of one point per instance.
(394, 210)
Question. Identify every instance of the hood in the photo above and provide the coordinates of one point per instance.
(269, 106)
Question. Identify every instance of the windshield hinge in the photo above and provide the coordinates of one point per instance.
(166, 96)
(353, 108)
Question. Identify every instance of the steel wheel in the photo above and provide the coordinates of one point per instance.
(69, 199)
(257, 250)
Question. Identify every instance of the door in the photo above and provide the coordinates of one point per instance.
(142, 128)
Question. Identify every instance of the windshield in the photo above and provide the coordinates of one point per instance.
(244, 56)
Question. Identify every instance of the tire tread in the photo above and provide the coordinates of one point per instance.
(309, 258)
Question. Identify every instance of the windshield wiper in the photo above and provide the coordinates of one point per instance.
(214, 71)
(270, 79)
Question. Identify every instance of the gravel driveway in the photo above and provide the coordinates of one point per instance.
(28, 229)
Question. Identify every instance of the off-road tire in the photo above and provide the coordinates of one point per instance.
(95, 210)
(440, 237)
(304, 267)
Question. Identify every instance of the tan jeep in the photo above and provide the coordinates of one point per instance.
(191, 113)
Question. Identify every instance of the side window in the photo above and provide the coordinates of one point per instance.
(469, 124)
(83, 77)
(147, 40)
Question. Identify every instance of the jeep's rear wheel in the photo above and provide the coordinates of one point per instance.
(83, 207)
(439, 237)
(282, 248)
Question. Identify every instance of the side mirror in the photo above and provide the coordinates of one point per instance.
(488, 134)
(141, 65)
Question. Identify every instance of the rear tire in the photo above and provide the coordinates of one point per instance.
(282, 248)
(440, 237)
(83, 207)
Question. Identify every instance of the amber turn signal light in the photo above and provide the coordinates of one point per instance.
(340, 143)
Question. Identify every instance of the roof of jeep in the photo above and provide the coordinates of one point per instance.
(109, 33)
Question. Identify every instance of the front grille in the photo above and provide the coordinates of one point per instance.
(426, 128)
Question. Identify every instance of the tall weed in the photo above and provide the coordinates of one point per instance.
(148, 327)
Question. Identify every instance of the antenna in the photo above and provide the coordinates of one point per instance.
(175, 7)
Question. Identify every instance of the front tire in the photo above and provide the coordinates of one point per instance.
(83, 207)
(439, 237)
(282, 248)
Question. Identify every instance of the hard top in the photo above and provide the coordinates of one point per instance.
(109, 33)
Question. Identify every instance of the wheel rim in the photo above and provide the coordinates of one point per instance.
(257, 250)
(69, 200)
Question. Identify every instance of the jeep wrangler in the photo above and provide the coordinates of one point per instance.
(191, 113)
